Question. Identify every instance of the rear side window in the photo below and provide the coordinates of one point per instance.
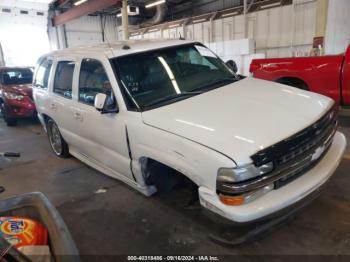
(42, 74)
(63, 79)
(92, 80)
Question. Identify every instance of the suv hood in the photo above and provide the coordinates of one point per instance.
(242, 118)
(25, 90)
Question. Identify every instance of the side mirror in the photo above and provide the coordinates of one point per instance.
(104, 104)
(232, 65)
(100, 101)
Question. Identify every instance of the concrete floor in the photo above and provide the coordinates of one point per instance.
(122, 221)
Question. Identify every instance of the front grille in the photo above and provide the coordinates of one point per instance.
(288, 149)
(294, 155)
(291, 157)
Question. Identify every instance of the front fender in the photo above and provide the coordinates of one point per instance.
(197, 162)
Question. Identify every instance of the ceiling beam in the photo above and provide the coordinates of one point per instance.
(86, 8)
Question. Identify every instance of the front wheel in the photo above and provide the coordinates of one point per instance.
(58, 145)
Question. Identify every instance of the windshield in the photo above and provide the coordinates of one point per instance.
(159, 77)
(17, 76)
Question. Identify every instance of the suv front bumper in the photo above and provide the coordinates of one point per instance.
(279, 199)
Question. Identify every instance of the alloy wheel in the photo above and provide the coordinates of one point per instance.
(55, 138)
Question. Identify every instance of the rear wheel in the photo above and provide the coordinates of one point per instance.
(58, 145)
(9, 121)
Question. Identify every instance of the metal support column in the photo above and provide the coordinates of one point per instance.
(321, 17)
(245, 11)
(125, 20)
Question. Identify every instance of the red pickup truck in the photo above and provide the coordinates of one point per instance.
(327, 75)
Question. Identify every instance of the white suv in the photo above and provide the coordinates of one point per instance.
(137, 110)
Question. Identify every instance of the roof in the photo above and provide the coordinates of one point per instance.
(118, 48)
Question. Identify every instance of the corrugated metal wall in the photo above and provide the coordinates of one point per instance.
(88, 30)
(338, 26)
(278, 32)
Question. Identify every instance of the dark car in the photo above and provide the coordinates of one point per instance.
(16, 99)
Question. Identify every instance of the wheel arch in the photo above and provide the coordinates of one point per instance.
(294, 82)
(153, 170)
(146, 161)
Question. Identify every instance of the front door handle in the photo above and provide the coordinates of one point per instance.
(78, 116)
(53, 106)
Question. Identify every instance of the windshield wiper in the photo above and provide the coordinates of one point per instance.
(216, 83)
(172, 97)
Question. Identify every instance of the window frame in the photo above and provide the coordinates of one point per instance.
(69, 60)
(49, 59)
(78, 80)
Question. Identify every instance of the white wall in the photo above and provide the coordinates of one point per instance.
(338, 26)
(23, 36)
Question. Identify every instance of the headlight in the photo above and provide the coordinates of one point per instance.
(229, 176)
(239, 174)
(13, 96)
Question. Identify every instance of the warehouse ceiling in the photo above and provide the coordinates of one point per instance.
(170, 11)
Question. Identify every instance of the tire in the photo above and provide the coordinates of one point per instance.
(58, 144)
(9, 121)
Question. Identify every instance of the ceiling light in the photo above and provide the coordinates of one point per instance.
(199, 20)
(80, 2)
(230, 14)
(172, 26)
(119, 15)
(153, 30)
(155, 3)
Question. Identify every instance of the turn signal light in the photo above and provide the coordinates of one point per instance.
(232, 201)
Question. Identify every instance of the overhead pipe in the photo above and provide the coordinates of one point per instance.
(159, 16)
